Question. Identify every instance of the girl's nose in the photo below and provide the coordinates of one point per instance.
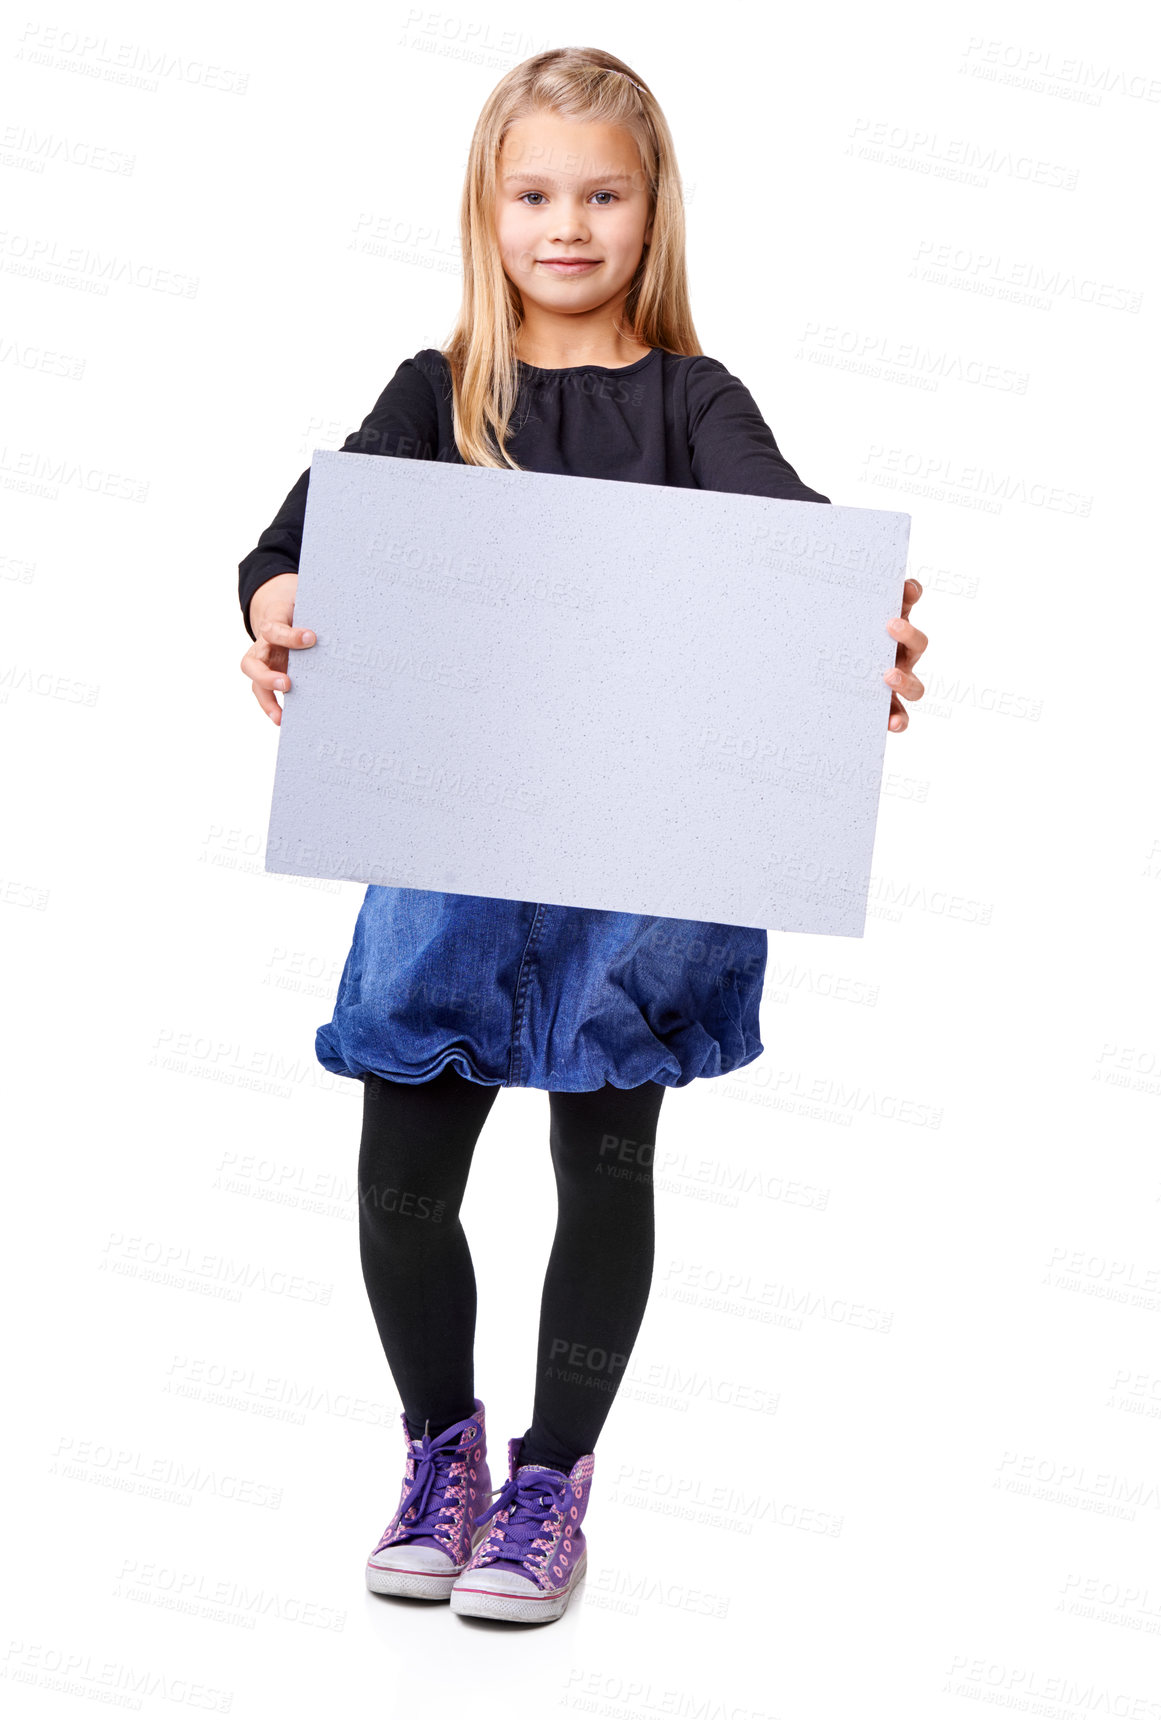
(569, 224)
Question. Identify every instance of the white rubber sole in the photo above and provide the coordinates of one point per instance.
(416, 1585)
(517, 1609)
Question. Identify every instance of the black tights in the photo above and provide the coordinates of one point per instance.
(414, 1157)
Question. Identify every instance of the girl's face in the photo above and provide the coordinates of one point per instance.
(570, 189)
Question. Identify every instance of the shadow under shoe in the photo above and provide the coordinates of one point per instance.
(534, 1554)
(428, 1542)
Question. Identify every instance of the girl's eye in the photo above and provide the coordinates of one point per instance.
(525, 194)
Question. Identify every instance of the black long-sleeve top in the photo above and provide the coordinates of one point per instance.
(667, 419)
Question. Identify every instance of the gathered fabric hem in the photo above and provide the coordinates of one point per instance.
(337, 1062)
(663, 1067)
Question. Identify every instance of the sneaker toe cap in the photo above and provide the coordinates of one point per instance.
(498, 1580)
(432, 1561)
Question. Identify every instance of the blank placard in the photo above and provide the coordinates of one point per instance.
(587, 692)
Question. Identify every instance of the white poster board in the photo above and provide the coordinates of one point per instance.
(587, 692)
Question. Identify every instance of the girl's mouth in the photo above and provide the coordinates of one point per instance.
(568, 266)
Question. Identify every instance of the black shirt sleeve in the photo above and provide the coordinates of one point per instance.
(731, 445)
(403, 422)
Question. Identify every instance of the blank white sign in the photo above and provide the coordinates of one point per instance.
(587, 692)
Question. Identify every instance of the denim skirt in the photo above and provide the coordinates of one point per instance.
(528, 994)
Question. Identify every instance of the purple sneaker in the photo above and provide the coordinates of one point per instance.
(534, 1554)
(429, 1540)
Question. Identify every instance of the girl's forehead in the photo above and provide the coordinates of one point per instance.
(567, 148)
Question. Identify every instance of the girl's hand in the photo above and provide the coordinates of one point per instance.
(271, 614)
(912, 645)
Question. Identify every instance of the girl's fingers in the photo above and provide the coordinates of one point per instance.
(903, 684)
(912, 592)
(908, 634)
(279, 633)
(268, 703)
(912, 643)
(266, 666)
(267, 669)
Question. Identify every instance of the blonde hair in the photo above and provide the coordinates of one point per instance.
(575, 83)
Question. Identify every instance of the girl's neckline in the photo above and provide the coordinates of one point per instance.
(604, 369)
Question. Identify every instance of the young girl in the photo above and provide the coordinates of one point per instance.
(574, 352)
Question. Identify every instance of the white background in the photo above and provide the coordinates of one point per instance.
(937, 1190)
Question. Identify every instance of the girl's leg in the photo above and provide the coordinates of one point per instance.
(600, 1267)
(414, 1157)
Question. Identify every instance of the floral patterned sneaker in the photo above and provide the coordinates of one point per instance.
(534, 1554)
(430, 1538)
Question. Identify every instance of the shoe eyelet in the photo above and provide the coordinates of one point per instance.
(572, 1511)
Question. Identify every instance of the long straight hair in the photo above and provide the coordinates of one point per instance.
(576, 83)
